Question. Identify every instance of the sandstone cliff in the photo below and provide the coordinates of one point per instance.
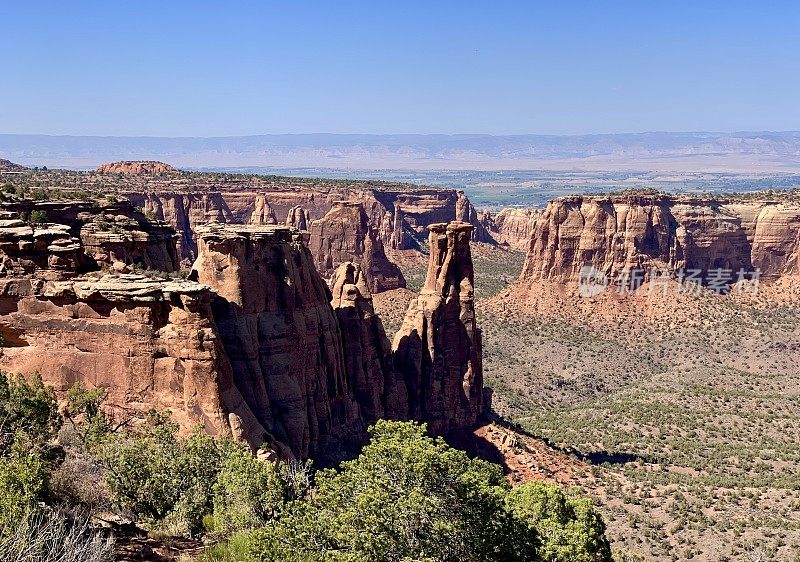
(151, 343)
(400, 218)
(378, 390)
(624, 232)
(136, 167)
(344, 234)
(280, 333)
(511, 227)
(438, 347)
(76, 237)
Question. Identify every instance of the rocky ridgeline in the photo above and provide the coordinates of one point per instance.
(254, 345)
(512, 228)
(398, 219)
(669, 233)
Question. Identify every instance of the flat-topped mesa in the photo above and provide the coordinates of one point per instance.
(438, 347)
(279, 331)
(619, 233)
(151, 343)
(380, 393)
(345, 234)
(137, 168)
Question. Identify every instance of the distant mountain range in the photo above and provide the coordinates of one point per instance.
(740, 152)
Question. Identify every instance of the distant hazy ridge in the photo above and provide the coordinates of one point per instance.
(749, 151)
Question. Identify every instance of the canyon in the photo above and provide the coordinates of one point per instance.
(253, 344)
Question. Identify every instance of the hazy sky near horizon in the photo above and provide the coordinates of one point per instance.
(175, 68)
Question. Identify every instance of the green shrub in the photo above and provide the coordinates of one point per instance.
(85, 414)
(570, 528)
(248, 492)
(406, 497)
(27, 407)
(23, 479)
(37, 217)
(160, 478)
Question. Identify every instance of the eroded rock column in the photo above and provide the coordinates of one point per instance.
(438, 347)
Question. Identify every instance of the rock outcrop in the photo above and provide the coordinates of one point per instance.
(66, 239)
(667, 233)
(465, 212)
(9, 166)
(511, 227)
(49, 248)
(344, 234)
(263, 213)
(280, 333)
(400, 218)
(438, 347)
(137, 168)
(378, 390)
(151, 343)
(298, 218)
(119, 239)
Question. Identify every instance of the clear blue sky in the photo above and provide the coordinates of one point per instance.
(173, 68)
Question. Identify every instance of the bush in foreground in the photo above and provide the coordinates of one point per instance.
(409, 497)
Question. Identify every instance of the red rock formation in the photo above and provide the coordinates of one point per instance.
(263, 213)
(48, 248)
(119, 239)
(400, 218)
(379, 392)
(438, 347)
(137, 167)
(465, 212)
(511, 227)
(624, 232)
(151, 343)
(280, 333)
(298, 218)
(345, 234)
(80, 237)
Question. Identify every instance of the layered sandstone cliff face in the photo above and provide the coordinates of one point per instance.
(81, 236)
(151, 343)
(400, 219)
(438, 347)
(379, 391)
(625, 232)
(344, 234)
(511, 227)
(280, 333)
(262, 349)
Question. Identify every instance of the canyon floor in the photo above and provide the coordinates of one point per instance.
(678, 414)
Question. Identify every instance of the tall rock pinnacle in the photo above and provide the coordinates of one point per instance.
(438, 347)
